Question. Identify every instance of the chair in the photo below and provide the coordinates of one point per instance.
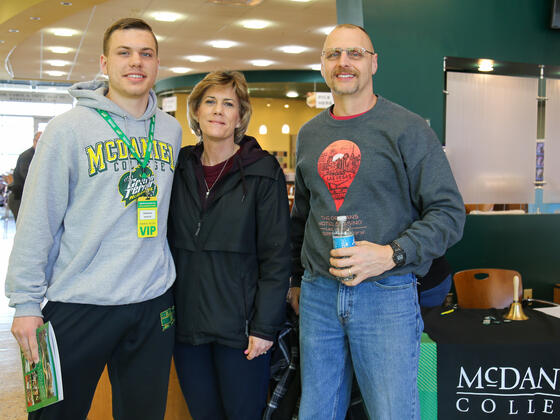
(483, 288)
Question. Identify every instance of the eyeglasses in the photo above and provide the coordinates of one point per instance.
(354, 53)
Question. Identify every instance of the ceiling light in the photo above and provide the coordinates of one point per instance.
(315, 67)
(286, 106)
(180, 70)
(255, 24)
(66, 3)
(64, 32)
(34, 18)
(326, 30)
(13, 31)
(261, 63)
(58, 63)
(60, 50)
(263, 129)
(285, 129)
(2, 41)
(222, 43)
(486, 65)
(166, 16)
(292, 49)
(292, 94)
(198, 58)
(55, 73)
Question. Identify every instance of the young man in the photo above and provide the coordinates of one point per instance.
(91, 236)
(382, 167)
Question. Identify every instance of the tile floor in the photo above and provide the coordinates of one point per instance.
(12, 403)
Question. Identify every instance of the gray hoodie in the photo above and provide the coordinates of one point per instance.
(76, 238)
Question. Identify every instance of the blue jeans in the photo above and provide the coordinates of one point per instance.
(219, 383)
(372, 329)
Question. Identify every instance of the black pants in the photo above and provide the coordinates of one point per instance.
(130, 340)
(219, 383)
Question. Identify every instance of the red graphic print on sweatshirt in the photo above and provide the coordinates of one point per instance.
(337, 166)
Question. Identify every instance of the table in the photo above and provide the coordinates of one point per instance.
(504, 371)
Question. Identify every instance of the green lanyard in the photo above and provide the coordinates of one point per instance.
(126, 140)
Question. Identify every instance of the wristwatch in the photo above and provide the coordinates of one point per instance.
(399, 256)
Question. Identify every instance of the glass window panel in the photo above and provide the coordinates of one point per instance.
(16, 135)
(551, 190)
(490, 136)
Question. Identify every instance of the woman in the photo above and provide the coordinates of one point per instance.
(229, 235)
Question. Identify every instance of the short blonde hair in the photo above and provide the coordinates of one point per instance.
(221, 78)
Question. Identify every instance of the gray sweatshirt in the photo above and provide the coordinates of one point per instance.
(76, 239)
(387, 172)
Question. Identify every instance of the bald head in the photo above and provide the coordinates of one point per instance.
(348, 30)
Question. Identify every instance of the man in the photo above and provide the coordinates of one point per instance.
(92, 236)
(20, 173)
(382, 167)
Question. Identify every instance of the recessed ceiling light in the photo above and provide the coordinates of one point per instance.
(261, 63)
(166, 16)
(286, 106)
(180, 70)
(60, 50)
(293, 49)
(222, 43)
(315, 67)
(13, 31)
(55, 73)
(255, 24)
(64, 32)
(66, 3)
(326, 30)
(58, 63)
(34, 18)
(285, 129)
(292, 94)
(198, 58)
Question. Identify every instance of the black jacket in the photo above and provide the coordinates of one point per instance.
(232, 254)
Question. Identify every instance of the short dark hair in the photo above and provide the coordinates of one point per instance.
(221, 78)
(124, 24)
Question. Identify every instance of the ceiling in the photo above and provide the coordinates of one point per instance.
(26, 54)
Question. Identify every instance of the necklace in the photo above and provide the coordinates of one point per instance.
(208, 189)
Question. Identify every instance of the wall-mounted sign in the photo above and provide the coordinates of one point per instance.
(169, 104)
(319, 99)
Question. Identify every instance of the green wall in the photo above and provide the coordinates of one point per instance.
(526, 243)
(413, 36)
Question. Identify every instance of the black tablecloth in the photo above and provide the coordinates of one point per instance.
(498, 371)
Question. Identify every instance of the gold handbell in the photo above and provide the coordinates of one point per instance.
(515, 309)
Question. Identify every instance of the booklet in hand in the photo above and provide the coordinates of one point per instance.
(43, 380)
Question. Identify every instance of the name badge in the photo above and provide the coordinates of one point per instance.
(147, 217)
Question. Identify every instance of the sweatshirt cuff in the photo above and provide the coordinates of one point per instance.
(28, 309)
(409, 249)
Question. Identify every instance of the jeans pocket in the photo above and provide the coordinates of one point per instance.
(307, 277)
(396, 282)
